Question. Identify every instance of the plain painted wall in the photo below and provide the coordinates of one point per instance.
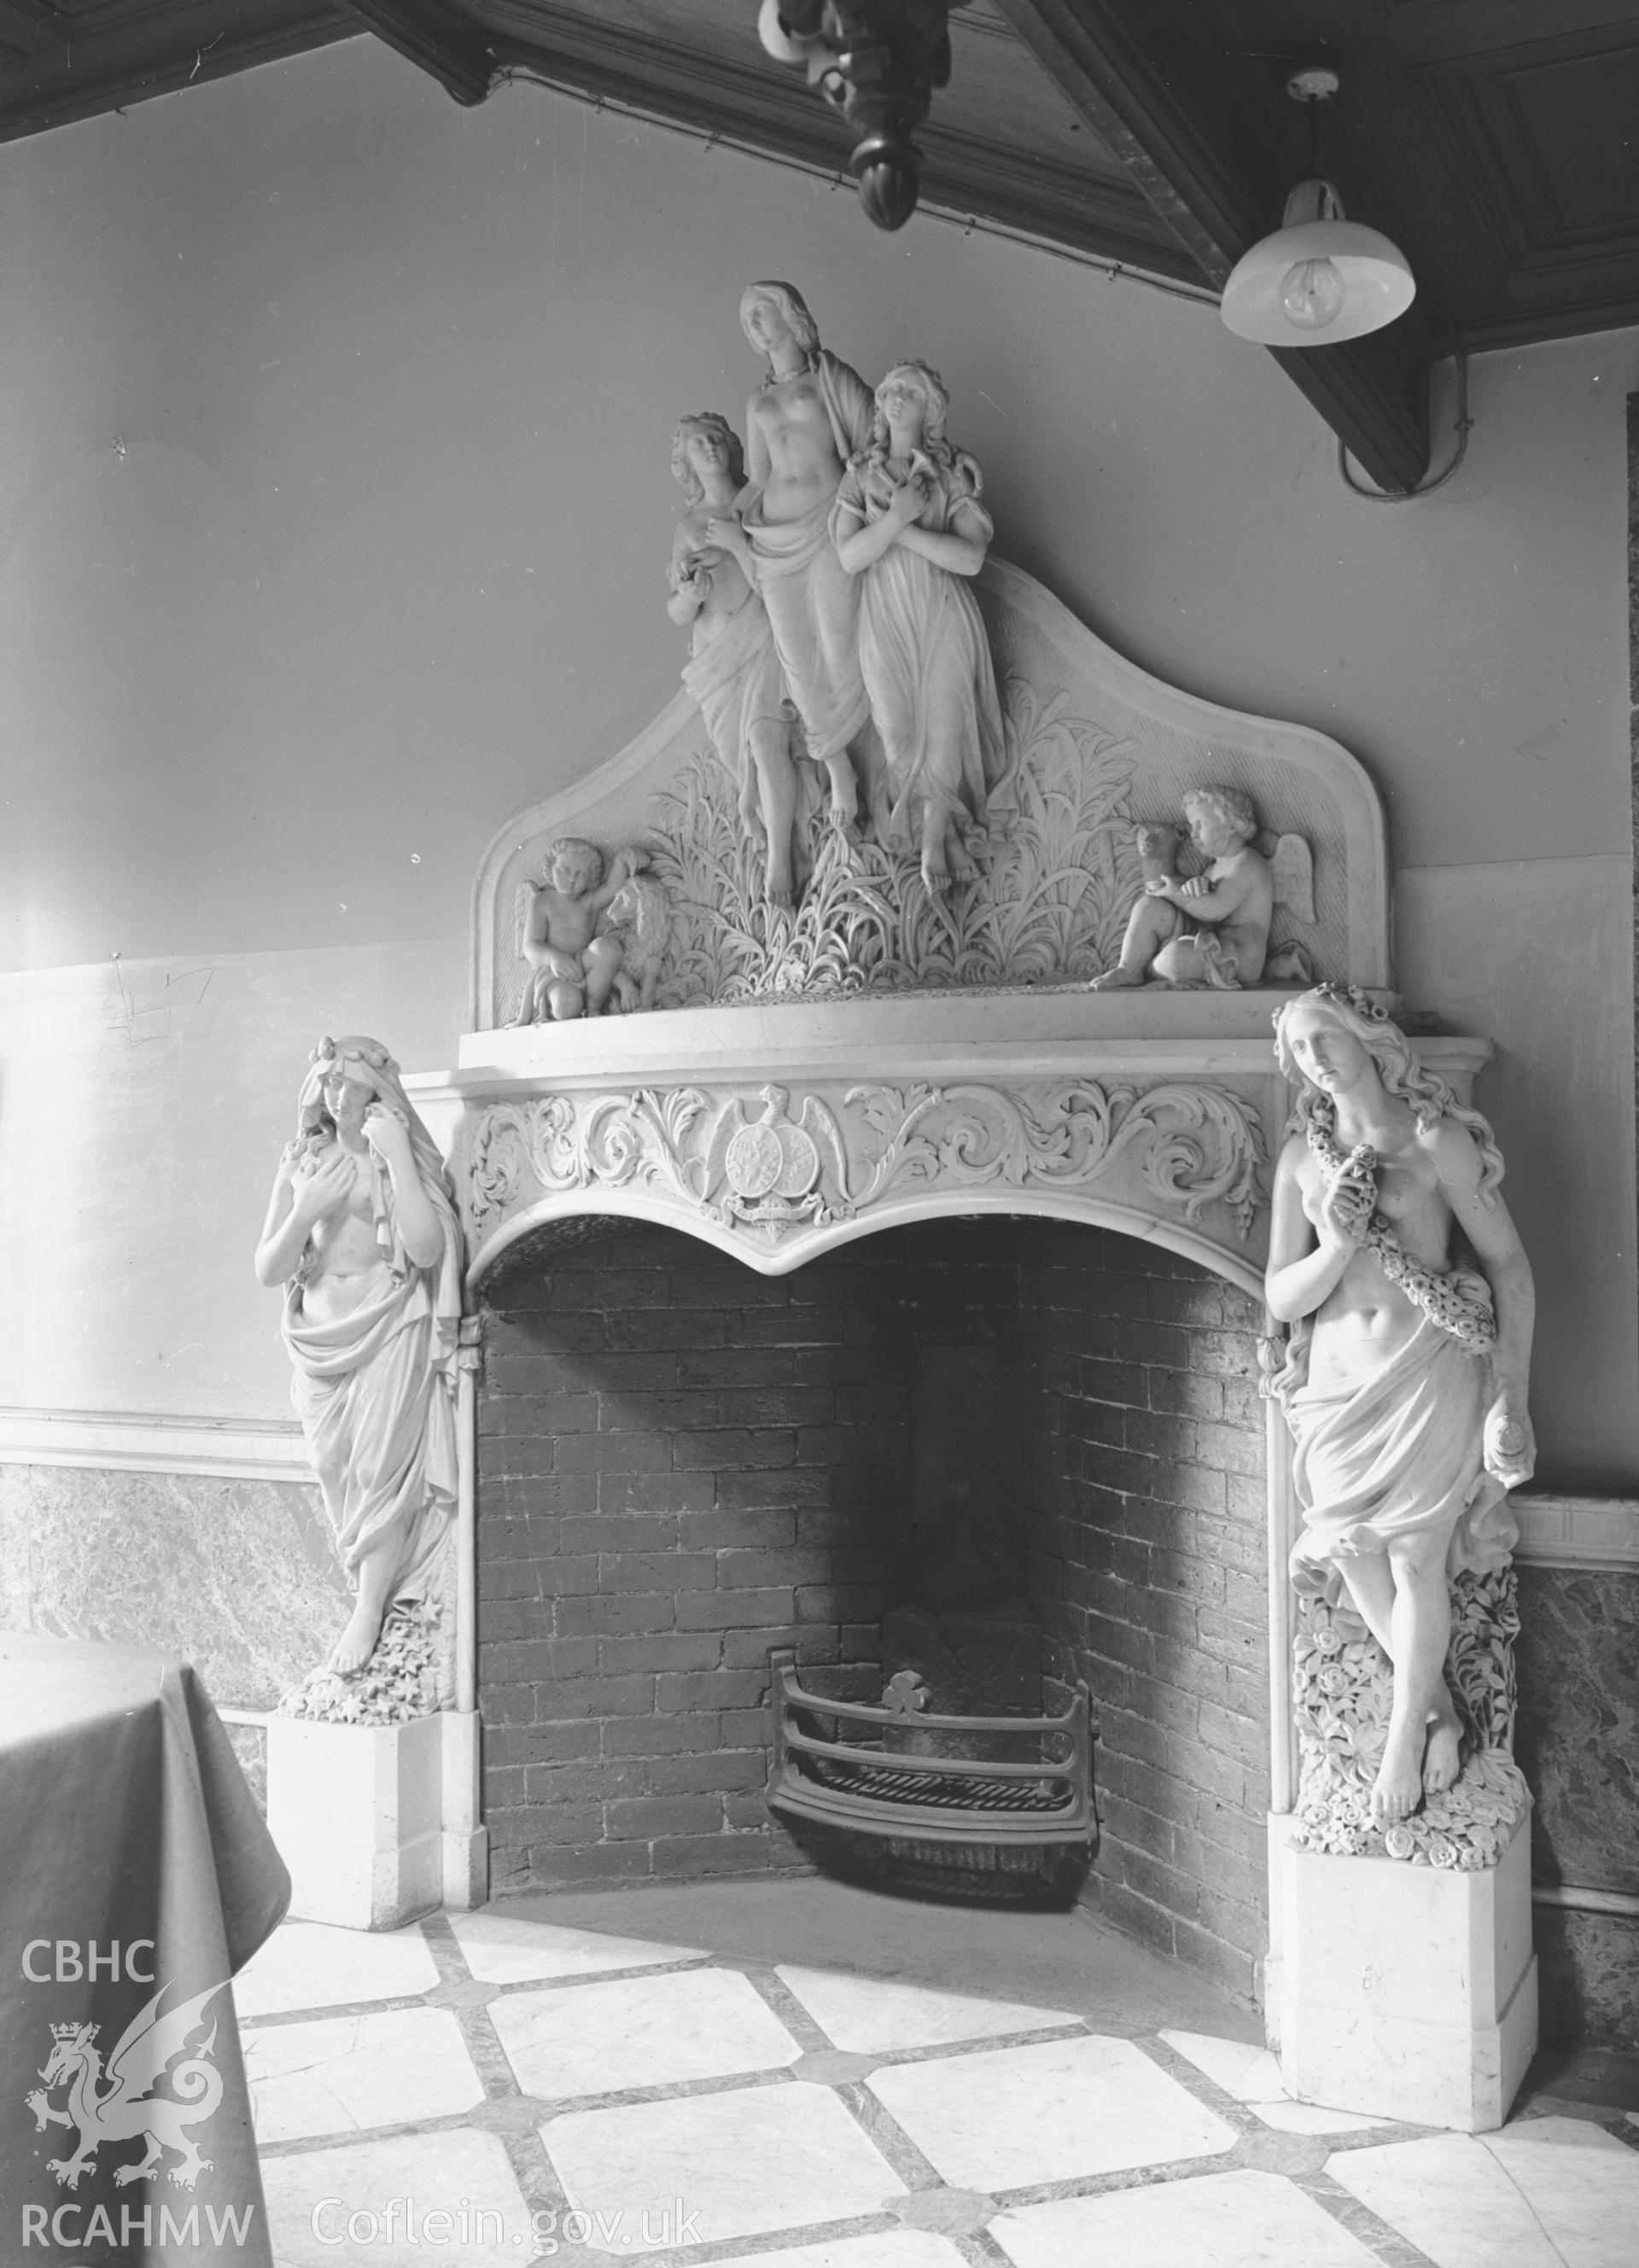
(334, 434)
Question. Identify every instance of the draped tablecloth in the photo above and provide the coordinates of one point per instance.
(136, 1877)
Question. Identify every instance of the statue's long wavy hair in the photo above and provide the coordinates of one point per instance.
(794, 310)
(1402, 1075)
(935, 446)
(705, 421)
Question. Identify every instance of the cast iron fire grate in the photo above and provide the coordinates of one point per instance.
(899, 1770)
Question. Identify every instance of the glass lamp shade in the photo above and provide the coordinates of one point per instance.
(1318, 280)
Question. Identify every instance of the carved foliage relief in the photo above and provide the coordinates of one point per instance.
(1342, 1689)
(1060, 874)
(773, 1166)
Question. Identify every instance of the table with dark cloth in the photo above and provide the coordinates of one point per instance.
(136, 1877)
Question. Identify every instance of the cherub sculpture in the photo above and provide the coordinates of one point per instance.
(574, 960)
(1213, 928)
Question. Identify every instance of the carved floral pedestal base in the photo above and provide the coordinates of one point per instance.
(378, 1823)
(1406, 1992)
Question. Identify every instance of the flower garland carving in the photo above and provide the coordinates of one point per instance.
(774, 1174)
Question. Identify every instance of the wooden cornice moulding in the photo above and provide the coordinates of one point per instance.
(749, 107)
(112, 1440)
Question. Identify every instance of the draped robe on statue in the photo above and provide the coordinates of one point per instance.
(924, 655)
(375, 1392)
(813, 604)
(736, 679)
(1400, 1453)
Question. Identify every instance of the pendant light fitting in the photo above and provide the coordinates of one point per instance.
(1319, 278)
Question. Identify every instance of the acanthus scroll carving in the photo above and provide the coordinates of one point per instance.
(1075, 1133)
(774, 1172)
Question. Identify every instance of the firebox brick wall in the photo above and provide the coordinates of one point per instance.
(683, 1464)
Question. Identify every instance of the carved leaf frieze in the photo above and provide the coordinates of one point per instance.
(1059, 873)
(1342, 1691)
(752, 1162)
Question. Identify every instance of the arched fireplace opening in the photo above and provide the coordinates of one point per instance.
(1007, 1453)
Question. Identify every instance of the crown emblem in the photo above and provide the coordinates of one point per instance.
(73, 2031)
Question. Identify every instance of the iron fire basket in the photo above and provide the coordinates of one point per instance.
(887, 1771)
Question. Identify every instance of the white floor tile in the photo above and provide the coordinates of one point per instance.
(1008, 2117)
(1249, 2073)
(502, 1950)
(1311, 2118)
(1241, 2220)
(870, 2016)
(739, 2164)
(1252, 2076)
(340, 2073)
(902, 2247)
(312, 2194)
(307, 1964)
(1543, 2193)
(639, 2031)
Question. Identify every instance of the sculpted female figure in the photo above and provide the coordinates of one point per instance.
(1405, 1385)
(802, 425)
(733, 670)
(908, 522)
(362, 1233)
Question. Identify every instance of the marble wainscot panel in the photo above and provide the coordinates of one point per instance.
(236, 1575)
(1577, 1737)
(1578, 1730)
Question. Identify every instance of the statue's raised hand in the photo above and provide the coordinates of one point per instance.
(387, 1134)
(1347, 1202)
(910, 499)
(725, 528)
(327, 1183)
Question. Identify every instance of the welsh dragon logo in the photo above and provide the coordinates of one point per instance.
(127, 2106)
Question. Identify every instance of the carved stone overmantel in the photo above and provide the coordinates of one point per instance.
(1094, 745)
(775, 1133)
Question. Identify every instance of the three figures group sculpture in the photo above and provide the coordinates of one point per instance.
(837, 651)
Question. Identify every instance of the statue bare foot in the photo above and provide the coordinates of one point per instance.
(1115, 980)
(1443, 1758)
(936, 879)
(1397, 1791)
(357, 1641)
(780, 894)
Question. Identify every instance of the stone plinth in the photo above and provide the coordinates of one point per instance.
(377, 1823)
(1406, 1992)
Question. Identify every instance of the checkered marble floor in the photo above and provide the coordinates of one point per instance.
(484, 2088)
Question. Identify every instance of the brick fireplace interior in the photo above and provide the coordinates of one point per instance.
(1015, 1452)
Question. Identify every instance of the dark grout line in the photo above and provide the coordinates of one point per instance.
(1376, 2234)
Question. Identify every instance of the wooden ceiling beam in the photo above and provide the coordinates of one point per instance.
(1187, 118)
(439, 39)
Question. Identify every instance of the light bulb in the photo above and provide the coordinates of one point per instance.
(1312, 294)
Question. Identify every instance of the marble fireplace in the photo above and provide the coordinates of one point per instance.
(870, 1269)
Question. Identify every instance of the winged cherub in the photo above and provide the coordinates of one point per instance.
(1213, 929)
